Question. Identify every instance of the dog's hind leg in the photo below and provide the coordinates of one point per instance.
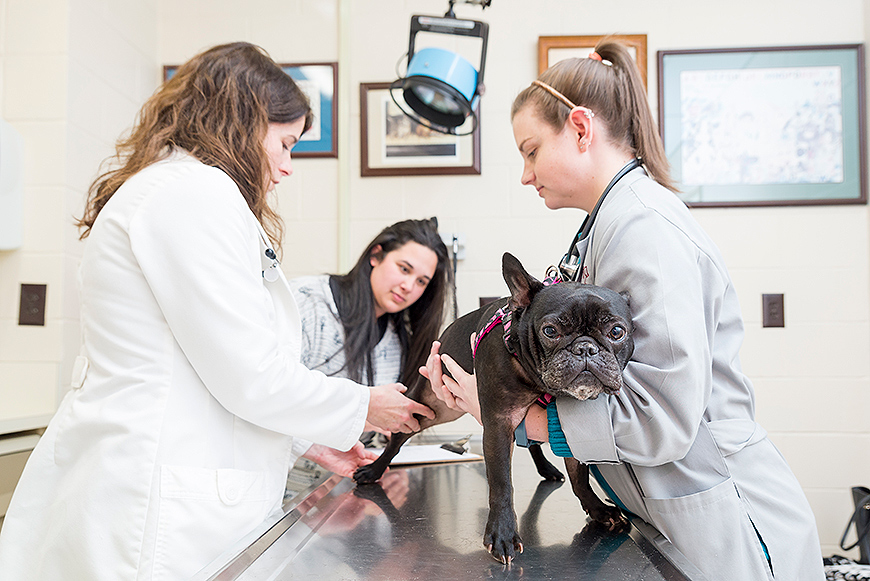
(543, 466)
(605, 514)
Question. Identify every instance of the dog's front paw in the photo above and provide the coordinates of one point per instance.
(368, 474)
(502, 539)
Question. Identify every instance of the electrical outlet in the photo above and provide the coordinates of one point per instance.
(772, 310)
(31, 311)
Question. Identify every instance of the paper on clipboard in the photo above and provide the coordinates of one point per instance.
(428, 454)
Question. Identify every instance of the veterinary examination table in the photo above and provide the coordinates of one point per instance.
(427, 522)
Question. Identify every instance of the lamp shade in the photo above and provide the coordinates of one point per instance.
(440, 86)
(441, 89)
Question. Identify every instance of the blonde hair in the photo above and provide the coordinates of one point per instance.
(217, 107)
(614, 92)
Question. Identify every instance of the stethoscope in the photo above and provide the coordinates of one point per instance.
(273, 272)
(569, 266)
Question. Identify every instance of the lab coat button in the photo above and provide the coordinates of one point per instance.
(229, 487)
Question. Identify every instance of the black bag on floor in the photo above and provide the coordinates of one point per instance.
(861, 519)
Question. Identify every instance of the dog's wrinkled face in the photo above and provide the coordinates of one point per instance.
(582, 336)
(577, 337)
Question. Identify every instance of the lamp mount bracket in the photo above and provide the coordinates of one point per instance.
(482, 3)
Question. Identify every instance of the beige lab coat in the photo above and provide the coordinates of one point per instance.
(176, 440)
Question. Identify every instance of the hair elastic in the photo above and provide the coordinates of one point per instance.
(597, 57)
(589, 114)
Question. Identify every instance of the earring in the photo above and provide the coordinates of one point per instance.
(582, 145)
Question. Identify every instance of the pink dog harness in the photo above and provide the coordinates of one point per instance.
(503, 317)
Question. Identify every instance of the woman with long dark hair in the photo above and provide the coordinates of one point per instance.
(376, 323)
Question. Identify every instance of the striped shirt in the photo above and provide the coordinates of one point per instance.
(323, 334)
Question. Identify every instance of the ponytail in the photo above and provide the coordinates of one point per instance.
(611, 86)
(634, 118)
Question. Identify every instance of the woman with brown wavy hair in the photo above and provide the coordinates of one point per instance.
(176, 437)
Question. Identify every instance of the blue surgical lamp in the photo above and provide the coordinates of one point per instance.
(441, 89)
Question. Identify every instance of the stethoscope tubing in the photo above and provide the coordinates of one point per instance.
(586, 227)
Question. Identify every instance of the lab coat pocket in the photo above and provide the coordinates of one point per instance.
(717, 513)
(202, 513)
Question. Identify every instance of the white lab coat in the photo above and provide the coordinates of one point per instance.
(178, 441)
(679, 444)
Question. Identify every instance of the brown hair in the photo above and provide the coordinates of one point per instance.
(217, 107)
(617, 96)
(417, 326)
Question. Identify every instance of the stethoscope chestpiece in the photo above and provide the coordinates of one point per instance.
(271, 273)
(569, 266)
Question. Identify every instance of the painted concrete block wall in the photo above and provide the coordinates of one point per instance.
(74, 74)
(34, 90)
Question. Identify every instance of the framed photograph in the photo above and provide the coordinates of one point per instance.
(765, 126)
(552, 49)
(318, 81)
(393, 144)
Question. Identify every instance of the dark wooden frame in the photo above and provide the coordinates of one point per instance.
(328, 145)
(854, 157)
(473, 140)
(635, 41)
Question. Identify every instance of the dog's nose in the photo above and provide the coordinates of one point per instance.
(584, 348)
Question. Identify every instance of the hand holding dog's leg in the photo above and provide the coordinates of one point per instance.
(458, 395)
(432, 372)
(392, 411)
(463, 388)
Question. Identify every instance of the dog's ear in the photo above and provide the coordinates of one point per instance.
(522, 285)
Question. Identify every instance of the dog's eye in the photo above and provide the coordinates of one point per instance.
(550, 332)
(617, 333)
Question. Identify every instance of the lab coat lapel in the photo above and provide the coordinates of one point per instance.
(288, 320)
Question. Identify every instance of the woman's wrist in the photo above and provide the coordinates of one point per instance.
(536, 424)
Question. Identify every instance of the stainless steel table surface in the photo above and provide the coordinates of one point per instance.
(427, 522)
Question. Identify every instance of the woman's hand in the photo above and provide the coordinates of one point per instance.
(391, 411)
(341, 463)
(459, 393)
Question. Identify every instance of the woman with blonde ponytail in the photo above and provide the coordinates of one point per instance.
(678, 446)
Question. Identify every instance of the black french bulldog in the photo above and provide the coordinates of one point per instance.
(567, 340)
